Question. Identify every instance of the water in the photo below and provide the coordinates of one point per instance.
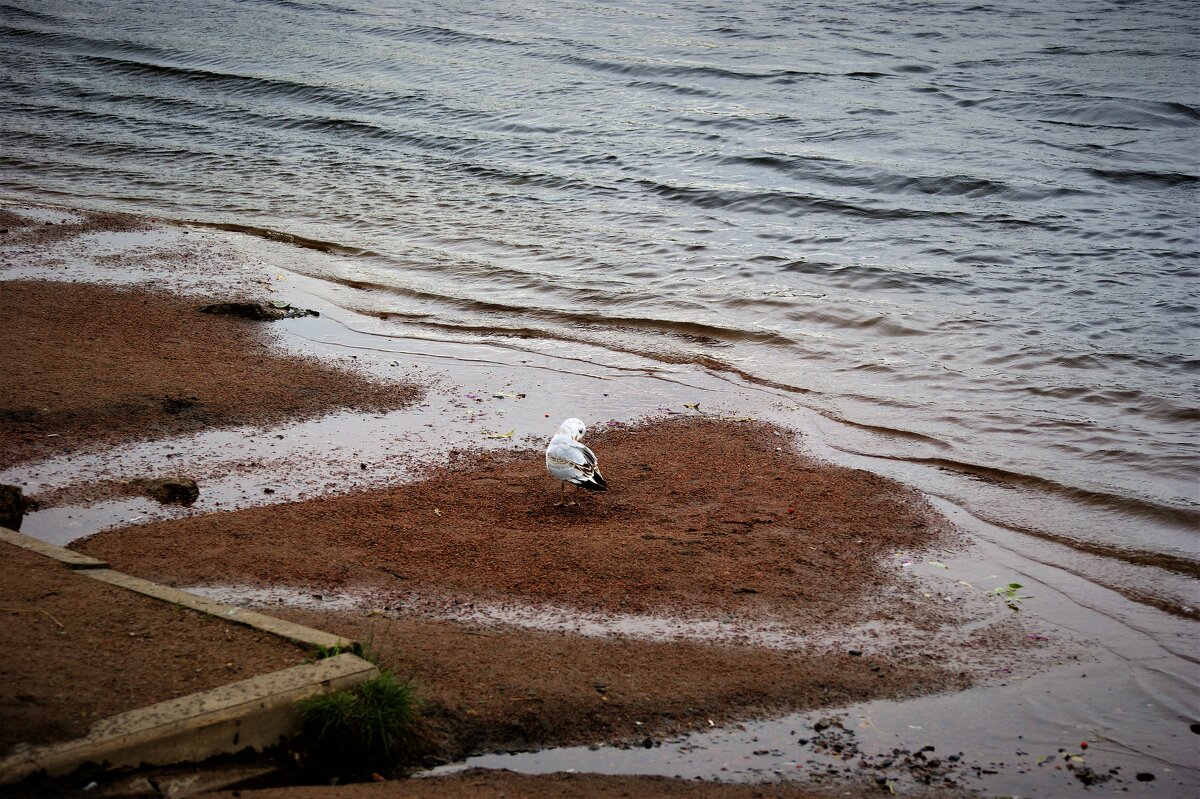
(966, 232)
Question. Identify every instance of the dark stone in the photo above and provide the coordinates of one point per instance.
(1145, 776)
(259, 312)
(13, 505)
(172, 490)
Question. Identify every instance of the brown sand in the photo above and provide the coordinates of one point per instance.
(76, 650)
(702, 516)
(742, 526)
(483, 784)
(502, 689)
(90, 365)
(22, 231)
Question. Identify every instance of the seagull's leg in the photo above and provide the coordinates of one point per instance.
(561, 495)
(574, 493)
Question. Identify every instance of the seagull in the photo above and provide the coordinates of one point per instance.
(572, 462)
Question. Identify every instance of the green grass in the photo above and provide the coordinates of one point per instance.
(323, 652)
(368, 728)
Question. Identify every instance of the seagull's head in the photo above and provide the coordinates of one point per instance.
(574, 428)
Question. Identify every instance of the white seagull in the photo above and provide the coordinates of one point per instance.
(572, 462)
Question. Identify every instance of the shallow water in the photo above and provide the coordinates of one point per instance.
(969, 227)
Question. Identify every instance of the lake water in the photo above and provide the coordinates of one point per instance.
(967, 231)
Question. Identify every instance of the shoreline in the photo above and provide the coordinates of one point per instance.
(482, 413)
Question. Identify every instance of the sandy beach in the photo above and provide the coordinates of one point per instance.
(728, 574)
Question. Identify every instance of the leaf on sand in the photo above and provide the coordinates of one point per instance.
(509, 434)
(937, 563)
(280, 303)
(695, 406)
(437, 512)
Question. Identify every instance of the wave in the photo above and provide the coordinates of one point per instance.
(786, 203)
(836, 173)
(1144, 178)
(641, 68)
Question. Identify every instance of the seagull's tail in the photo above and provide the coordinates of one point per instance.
(594, 483)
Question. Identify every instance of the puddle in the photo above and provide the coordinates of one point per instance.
(1112, 684)
(978, 739)
(870, 638)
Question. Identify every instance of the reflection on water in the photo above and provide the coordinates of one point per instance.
(970, 225)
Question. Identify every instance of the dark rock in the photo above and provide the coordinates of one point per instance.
(259, 312)
(172, 490)
(1145, 776)
(13, 506)
(1087, 775)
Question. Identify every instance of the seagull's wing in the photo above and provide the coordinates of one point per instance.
(564, 449)
(569, 460)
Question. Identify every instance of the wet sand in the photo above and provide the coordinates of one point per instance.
(703, 516)
(709, 518)
(706, 519)
(89, 365)
(495, 784)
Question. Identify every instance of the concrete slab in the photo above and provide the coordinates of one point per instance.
(69, 557)
(254, 713)
(306, 636)
(182, 782)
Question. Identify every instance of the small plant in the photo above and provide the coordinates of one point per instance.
(323, 653)
(1011, 597)
(368, 728)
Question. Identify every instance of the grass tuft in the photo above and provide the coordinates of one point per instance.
(368, 728)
